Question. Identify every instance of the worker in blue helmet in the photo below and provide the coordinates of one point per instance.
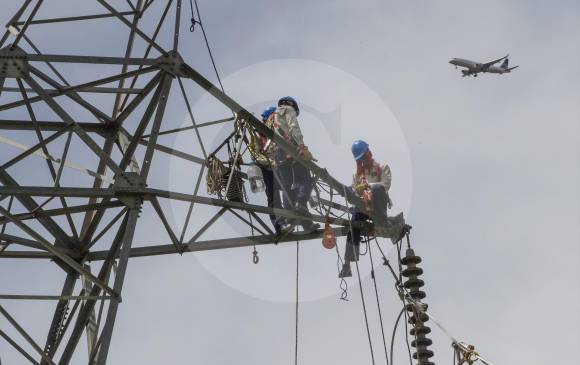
(295, 179)
(267, 112)
(261, 149)
(370, 183)
(288, 100)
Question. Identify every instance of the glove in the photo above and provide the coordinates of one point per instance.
(361, 188)
(305, 154)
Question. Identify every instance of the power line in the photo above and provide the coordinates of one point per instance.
(378, 302)
(296, 307)
(365, 312)
(351, 235)
(192, 28)
(395, 331)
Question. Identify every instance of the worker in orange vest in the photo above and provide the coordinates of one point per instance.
(371, 183)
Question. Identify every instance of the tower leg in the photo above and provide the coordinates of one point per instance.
(105, 339)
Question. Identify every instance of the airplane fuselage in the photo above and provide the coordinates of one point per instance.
(473, 68)
(461, 62)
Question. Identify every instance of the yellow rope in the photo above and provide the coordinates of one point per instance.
(214, 177)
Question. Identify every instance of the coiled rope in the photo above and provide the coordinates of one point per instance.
(214, 177)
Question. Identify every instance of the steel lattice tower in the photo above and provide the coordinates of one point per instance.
(115, 121)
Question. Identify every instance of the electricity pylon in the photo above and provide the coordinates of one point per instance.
(86, 225)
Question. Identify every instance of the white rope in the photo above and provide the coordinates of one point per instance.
(462, 345)
(70, 165)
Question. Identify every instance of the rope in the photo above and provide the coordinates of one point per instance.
(255, 257)
(343, 284)
(378, 303)
(366, 246)
(193, 21)
(407, 334)
(405, 296)
(365, 312)
(360, 286)
(82, 169)
(214, 177)
(297, 298)
(403, 300)
(395, 331)
(388, 264)
(192, 28)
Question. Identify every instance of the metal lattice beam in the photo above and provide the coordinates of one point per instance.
(37, 221)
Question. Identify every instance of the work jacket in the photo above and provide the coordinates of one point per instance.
(261, 148)
(285, 124)
(375, 174)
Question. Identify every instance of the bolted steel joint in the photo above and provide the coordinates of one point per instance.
(128, 189)
(171, 63)
(13, 63)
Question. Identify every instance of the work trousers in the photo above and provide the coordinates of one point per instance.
(379, 215)
(296, 182)
(272, 191)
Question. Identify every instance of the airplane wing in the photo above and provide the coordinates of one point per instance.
(487, 65)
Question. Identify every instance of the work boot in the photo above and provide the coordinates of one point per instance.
(286, 227)
(307, 223)
(381, 220)
(302, 209)
(309, 226)
(278, 228)
(345, 272)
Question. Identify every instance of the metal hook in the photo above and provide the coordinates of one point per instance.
(193, 23)
(256, 258)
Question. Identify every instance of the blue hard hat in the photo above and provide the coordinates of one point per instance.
(290, 100)
(267, 112)
(359, 148)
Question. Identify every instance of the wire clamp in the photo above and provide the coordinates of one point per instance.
(465, 353)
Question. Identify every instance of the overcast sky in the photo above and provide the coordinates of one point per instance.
(486, 170)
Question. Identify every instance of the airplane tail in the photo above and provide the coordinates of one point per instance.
(505, 64)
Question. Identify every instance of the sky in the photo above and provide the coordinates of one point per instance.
(485, 169)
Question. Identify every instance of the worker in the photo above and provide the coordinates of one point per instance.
(261, 149)
(371, 182)
(295, 179)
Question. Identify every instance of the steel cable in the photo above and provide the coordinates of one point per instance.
(378, 303)
(200, 22)
(365, 313)
(296, 308)
(360, 285)
(395, 332)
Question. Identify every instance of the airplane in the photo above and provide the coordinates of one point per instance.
(473, 68)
